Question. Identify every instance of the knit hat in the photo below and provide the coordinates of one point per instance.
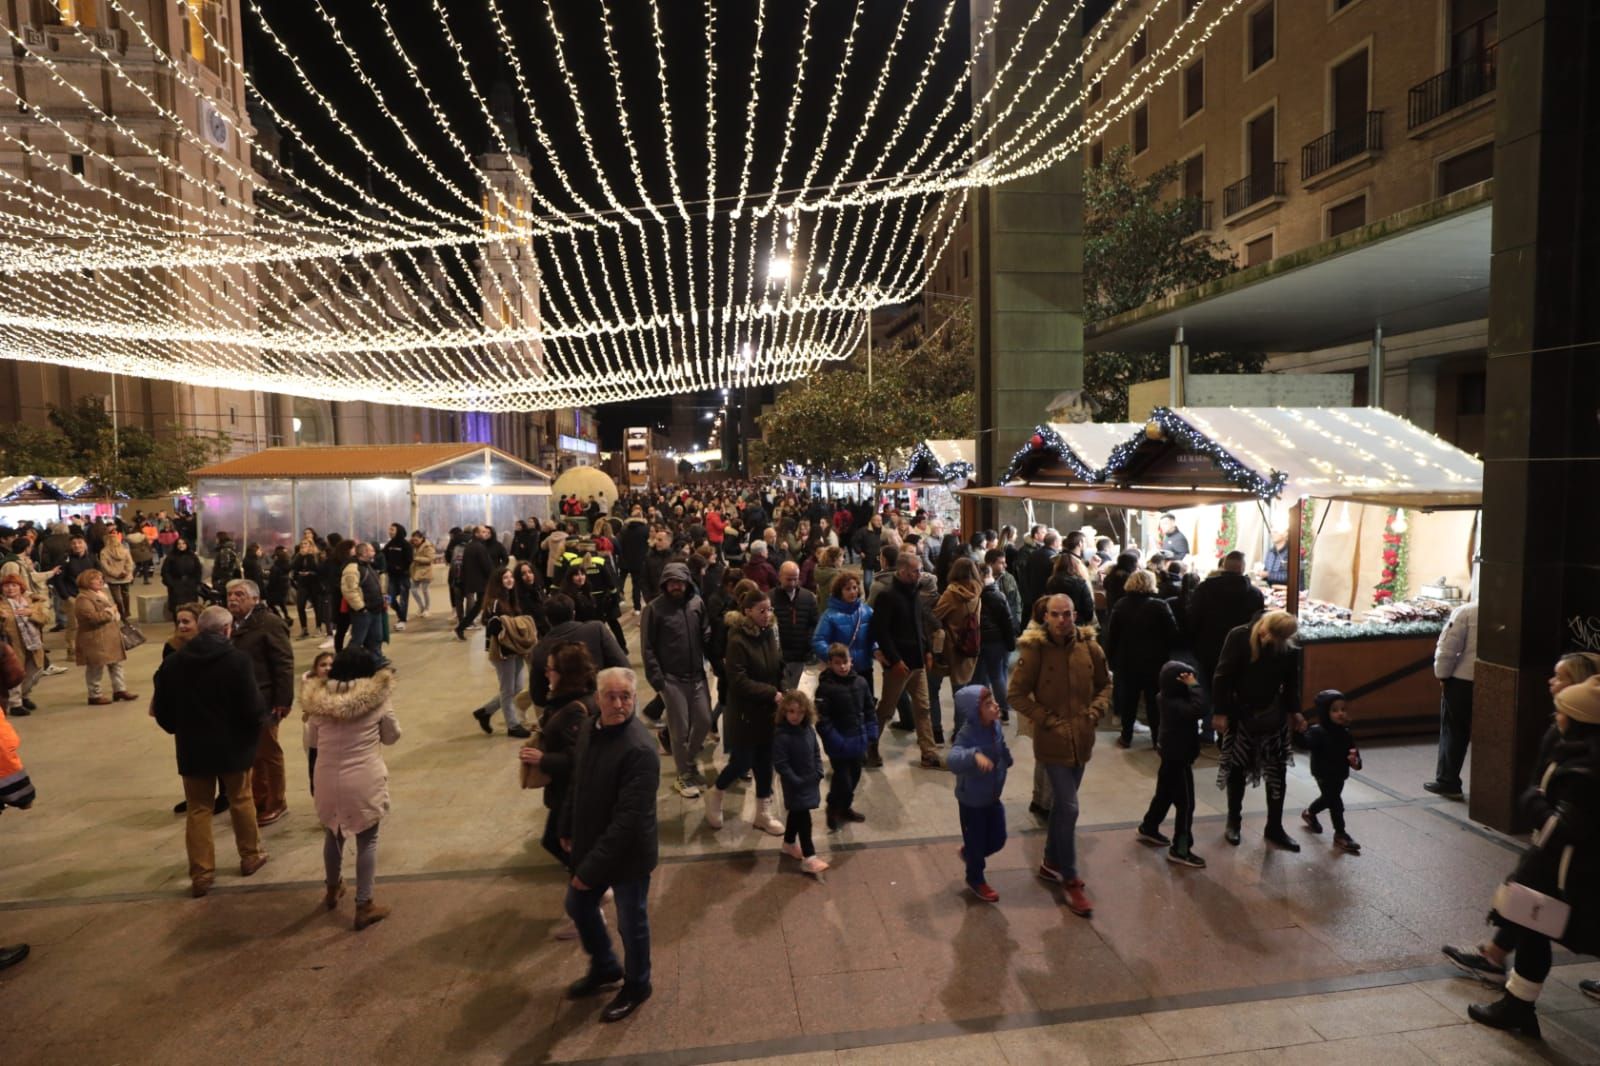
(1325, 700)
(1581, 703)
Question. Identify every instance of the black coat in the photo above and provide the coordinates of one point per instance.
(1078, 590)
(654, 562)
(994, 621)
(632, 543)
(1564, 803)
(264, 638)
(1330, 745)
(181, 574)
(277, 588)
(847, 718)
(796, 615)
(558, 738)
(206, 696)
(397, 557)
(753, 664)
(1140, 635)
(476, 566)
(1040, 562)
(797, 760)
(897, 625)
(1182, 709)
(1221, 602)
(610, 813)
(1260, 694)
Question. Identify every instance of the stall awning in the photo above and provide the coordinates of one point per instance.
(30, 488)
(1060, 452)
(936, 462)
(1138, 498)
(353, 461)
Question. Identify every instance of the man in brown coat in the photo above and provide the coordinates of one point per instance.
(1062, 687)
(264, 638)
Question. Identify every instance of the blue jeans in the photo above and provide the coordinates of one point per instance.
(754, 757)
(512, 674)
(633, 926)
(366, 631)
(1061, 844)
(994, 670)
(983, 832)
(400, 595)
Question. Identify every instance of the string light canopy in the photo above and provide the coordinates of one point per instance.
(497, 207)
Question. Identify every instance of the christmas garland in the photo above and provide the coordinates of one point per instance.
(1228, 531)
(1046, 443)
(1308, 537)
(1395, 582)
(923, 465)
(1164, 424)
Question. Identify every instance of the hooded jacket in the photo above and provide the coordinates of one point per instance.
(753, 664)
(954, 606)
(675, 632)
(1182, 709)
(796, 615)
(206, 696)
(397, 556)
(847, 719)
(348, 722)
(1330, 744)
(849, 624)
(140, 548)
(1063, 690)
(422, 556)
(116, 562)
(797, 760)
(974, 787)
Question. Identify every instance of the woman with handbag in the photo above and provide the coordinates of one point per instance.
(548, 756)
(1256, 695)
(100, 639)
(503, 642)
(24, 618)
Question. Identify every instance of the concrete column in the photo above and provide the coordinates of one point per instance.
(1028, 263)
(1541, 561)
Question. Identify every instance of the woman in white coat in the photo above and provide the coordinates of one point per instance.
(348, 718)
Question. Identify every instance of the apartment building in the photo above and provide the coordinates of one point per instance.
(1301, 122)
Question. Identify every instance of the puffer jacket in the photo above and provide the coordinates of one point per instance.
(797, 761)
(422, 556)
(796, 615)
(1563, 806)
(348, 722)
(849, 624)
(1063, 690)
(847, 720)
(753, 664)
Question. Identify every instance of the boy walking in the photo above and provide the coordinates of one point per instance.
(1333, 756)
(1182, 708)
(979, 759)
(847, 721)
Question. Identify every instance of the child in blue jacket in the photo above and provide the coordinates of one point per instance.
(979, 759)
(847, 721)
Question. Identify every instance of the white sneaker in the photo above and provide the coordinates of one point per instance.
(713, 797)
(326, 645)
(686, 788)
(53, 669)
(792, 850)
(399, 627)
(764, 819)
(813, 866)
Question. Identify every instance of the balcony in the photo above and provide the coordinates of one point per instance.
(1443, 93)
(1196, 216)
(1338, 147)
(1257, 191)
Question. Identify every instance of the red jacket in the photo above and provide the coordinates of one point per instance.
(714, 527)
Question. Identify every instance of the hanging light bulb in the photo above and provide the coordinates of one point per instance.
(1399, 524)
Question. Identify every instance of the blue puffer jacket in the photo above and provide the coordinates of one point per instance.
(798, 762)
(849, 624)
(847, 718)
(974, 788)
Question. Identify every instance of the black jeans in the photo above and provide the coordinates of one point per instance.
(756, 758)
(400, 595)
(798, 826)
(1236, 800)
(1330, 800)
(1126, 688)
(1455, 731)
(1174, 791)
(983, 832)
(551, 840)
(469, 610)
(302, 598)
(842, 789)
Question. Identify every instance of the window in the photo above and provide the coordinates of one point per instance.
(1261, 144)
(966, 264)
(1468, 168)
(1194, 88)
(1097, 88)
(1261, 33)
(1097, 153)
(83, 13)
(1258, 251)
(1352, 214)
(1194, 177)
(1141, 129)
(76, 162)
(1474, 29)
(1141, 47)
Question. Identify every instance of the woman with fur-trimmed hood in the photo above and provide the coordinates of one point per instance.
(348, 719)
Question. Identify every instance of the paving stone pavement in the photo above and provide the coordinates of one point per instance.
(1264, 957)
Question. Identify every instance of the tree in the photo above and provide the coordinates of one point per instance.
(129, 460)
(1139, 246)
(921, 388)
(29, 450)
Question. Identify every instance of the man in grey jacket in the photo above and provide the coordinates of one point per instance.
(674, 632)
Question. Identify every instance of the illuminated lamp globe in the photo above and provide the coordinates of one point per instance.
(586, 481)
(1153, 430)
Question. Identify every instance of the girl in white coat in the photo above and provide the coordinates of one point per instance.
(348, 717)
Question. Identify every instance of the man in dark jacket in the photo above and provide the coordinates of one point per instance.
(477, 563)
(604, 651)
(903, 648)
(675, 632)
(632, 543)
(1223, 601)
(263, 637)
(1041, 562)
(207, 697)
(65, 586)
(609, 828)
(397, 555)
(795, 611)
(656, 560)
(1173, 542)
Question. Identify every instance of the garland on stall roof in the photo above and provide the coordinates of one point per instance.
(1164, 425)
(1228, 531)
(959, 470)
(1046, 444)
(1395, 582)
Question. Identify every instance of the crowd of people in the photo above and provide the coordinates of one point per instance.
(793, 632)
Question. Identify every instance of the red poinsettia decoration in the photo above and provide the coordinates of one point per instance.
(1392, 585)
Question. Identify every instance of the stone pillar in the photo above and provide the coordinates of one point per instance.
(1541, 559)
(1028, 263)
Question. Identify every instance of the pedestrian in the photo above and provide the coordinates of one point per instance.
(1255, 698)
(349, 717)
(759, 568)
(264, 638)
(570, 675)
(531, 596)
(255, 566)
(185, 627)
(1454, 659)
(997, 633)
(477, 565)
(1126, 564)
(99, 639)
(116, 563)
(304, 567)
(226, 566)
(1181, 705)
(64, 583)
(674, 632)
(979, 758)
(422, 556)
(632, 544)
(24, 617)
(754, 663)
(848, 621)
(847, 722)
(142, 551)
(655, 560)
(320, 666)
(1141, 636)
(1062, 686)
(508, 637)
(207, 698)
(1069, 575)
(363, 593)
(1333, 756)
(906, 653)
(16, 788)
(603, 649)
(959, 610)
(795, 609)
(797, 760)
(609, 828)
(397, 558)
(1222, 602)
(277, 589)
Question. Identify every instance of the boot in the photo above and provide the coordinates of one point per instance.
(833, 820)
(873, 758)
(1509, 1013)
(370, 913)
(332, 895)
(714, 807)
(764, 819)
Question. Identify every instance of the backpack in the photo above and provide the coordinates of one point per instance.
(227, 565)
(457, 553)
(967, 634)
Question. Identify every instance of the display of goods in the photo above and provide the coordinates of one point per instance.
(1414, 610)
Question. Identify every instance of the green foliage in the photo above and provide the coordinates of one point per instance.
(28, 450)
(80, 442)
(1137, 249)
(921, 388)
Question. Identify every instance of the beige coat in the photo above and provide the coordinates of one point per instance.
(39, 610)
(422, 557)
(958, 601)
(348, 722)
(116, 562)
(99, 629)
(1062, 691)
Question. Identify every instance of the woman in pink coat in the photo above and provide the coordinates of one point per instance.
(348, 719)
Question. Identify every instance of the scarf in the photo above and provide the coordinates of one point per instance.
(31, 640)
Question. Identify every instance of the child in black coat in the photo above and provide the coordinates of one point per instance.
(847, 721)
(1183, 706)
(797, 760)
(1333, 756)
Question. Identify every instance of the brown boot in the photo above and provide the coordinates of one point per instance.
(251, 865)
(873, 758)
(200, 887)
(333, 894)
(370, 913)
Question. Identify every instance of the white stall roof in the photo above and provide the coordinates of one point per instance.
(1093, 441)
(1364, 454)
(953, 451)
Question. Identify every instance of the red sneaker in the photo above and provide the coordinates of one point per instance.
(1077, 902)
(985, 893)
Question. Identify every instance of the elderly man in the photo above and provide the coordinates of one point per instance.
(795, 610)
(206, 696)
(675, 631)
(1062, 687)
(608, 826)
(759, 567)
(264, 639)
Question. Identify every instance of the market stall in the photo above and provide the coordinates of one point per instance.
(1400, 500)
(933, 472)
(30, 498)
(268, 497)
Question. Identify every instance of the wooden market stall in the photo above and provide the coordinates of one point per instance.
(936, 469)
